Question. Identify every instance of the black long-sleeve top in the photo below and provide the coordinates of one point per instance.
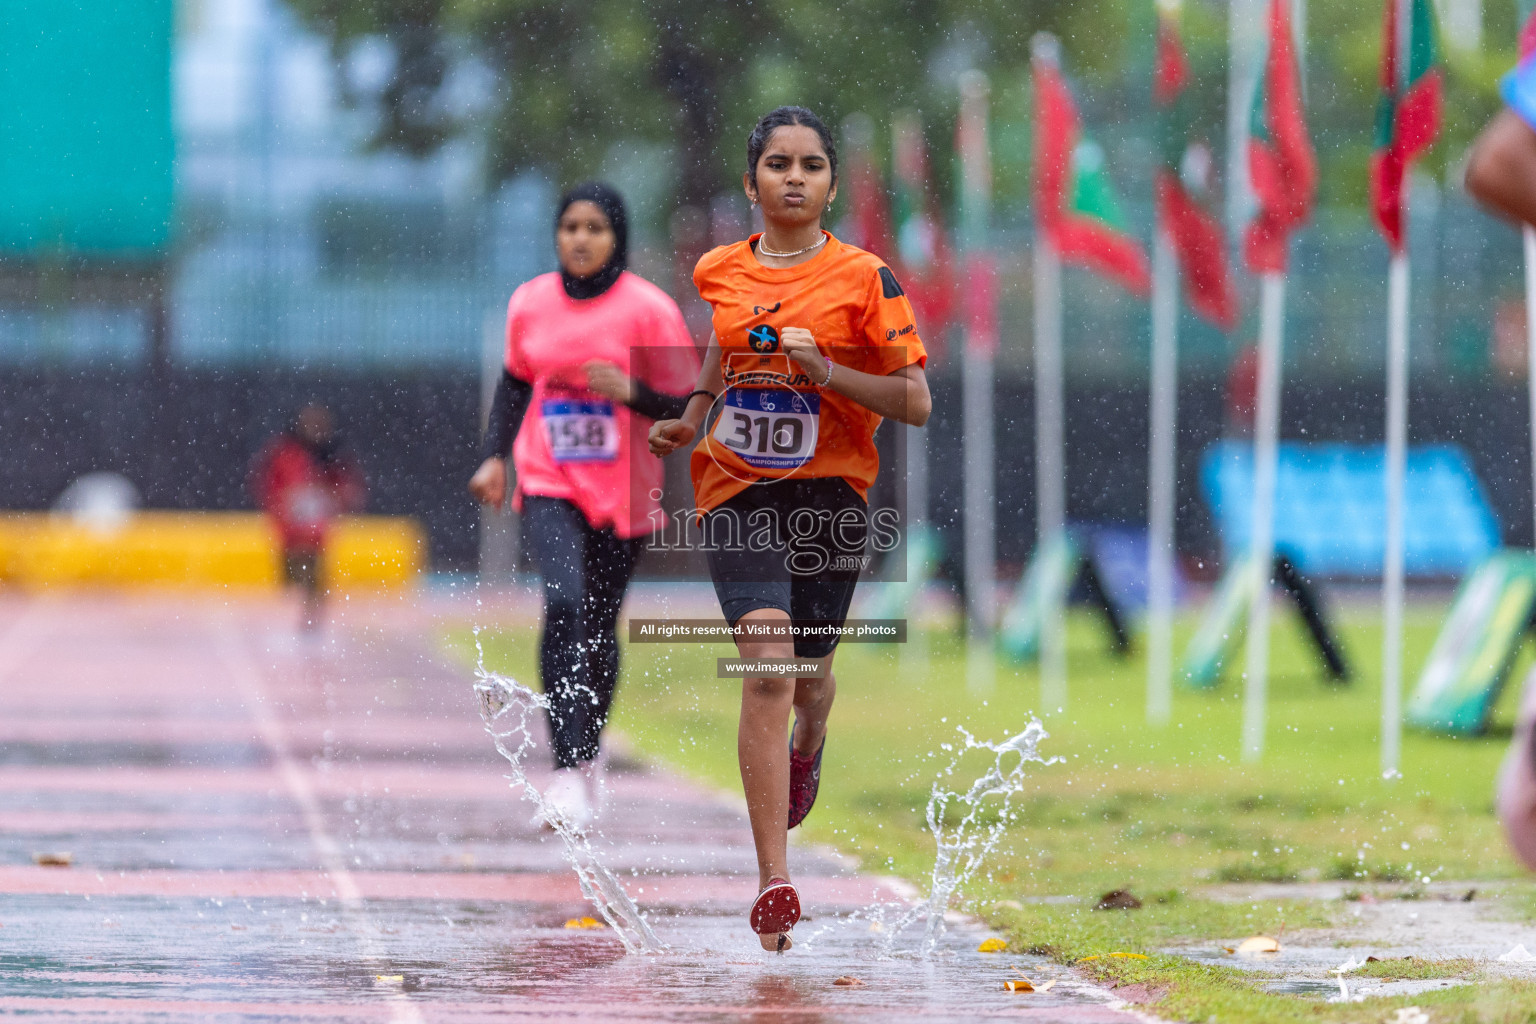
(510, 404)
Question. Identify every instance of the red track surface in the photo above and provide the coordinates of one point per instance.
(265, 830)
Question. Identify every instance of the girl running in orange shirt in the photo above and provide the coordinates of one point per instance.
(813, 344)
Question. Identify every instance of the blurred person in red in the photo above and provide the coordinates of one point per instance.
(303, 482)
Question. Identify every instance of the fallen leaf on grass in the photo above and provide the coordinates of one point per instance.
(848, 980)
(584, 922)
(1118, 899)
(61, 859)
(993, 945)
(1258, 944)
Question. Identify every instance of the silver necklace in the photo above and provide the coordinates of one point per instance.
(763, 250)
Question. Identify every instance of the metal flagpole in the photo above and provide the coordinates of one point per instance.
(1261, 547)
(1392, 569)
(1161, 478)
(980, 524)
(976, 389)
(1050, 461)
(1245, 49)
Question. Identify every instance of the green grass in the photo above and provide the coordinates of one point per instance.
(1413, 968)
(1160, 811)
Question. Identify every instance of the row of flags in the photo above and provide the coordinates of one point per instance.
(1075, 202)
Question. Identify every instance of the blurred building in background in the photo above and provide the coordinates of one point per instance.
(276, 258)
(301, 247)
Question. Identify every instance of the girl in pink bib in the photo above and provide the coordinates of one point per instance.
(594, 355)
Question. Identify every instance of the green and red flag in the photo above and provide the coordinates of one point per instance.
(1282, 167)
(922, 252)
(1182, 176)
(1408, 113)
(1075, 203)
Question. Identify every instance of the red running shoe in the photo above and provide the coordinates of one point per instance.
(804, 781)
(776, 910)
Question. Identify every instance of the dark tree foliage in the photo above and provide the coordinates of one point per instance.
(412, 121)
(577, 75)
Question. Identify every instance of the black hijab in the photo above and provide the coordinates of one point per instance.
(612, 205)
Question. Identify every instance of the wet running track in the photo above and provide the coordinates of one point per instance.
(247, 827)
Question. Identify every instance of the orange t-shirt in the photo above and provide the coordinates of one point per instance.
(774, 421)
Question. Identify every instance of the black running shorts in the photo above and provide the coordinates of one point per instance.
(797, 545)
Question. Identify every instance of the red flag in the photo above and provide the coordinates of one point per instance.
(871, 214)
(981, 324)
(1202, 251)
(1172, 72)
(1281, 165)
(922, 249)
(1408, 113)
(1073, 202)
(1196, 235)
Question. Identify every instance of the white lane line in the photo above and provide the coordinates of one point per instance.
(247, 676)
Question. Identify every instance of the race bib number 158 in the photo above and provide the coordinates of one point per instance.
(770, 428)
(580, 431)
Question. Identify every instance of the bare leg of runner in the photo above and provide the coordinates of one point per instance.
(764, 756)
(813, 702)
(765, 705)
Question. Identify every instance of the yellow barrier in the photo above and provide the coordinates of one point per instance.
(200, 549)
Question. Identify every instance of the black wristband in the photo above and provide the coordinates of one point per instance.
(700, 391)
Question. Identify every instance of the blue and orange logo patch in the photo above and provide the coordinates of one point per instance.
(763, 338)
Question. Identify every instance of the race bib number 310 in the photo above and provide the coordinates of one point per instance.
(770, 428)
(580, 431)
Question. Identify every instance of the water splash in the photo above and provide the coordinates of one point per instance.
(510, 711)
(966, 826)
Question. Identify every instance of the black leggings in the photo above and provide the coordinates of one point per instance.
(585, 573)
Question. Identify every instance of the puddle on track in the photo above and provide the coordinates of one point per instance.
(139, 950)
(477, 956)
